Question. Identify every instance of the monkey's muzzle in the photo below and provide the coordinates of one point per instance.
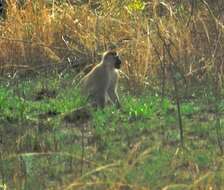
(118, 63)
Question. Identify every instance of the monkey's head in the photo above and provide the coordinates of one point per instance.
(111, 57)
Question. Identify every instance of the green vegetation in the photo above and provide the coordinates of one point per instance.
(136, 147)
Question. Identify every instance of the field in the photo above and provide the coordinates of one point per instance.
(168, 133)
(136, 148)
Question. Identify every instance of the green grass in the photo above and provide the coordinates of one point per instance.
(137, 147)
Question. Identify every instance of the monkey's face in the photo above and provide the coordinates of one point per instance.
(117, 63)
(114, 59)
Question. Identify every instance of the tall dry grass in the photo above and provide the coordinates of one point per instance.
(36, 34)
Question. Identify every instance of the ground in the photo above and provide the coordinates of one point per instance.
(137, 147)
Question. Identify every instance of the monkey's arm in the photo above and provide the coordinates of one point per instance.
(112, 91)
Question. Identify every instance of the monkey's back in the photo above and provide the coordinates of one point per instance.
(95, 81)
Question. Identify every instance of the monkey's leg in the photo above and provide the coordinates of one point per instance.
(114, 97)
(100, 101)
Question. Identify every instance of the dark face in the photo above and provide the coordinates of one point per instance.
(113, 58)
(117, 63)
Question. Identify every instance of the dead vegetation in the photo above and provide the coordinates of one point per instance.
(35, 35)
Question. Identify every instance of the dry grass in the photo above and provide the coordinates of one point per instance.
(32, 35)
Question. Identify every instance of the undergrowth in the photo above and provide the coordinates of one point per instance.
(133, 148)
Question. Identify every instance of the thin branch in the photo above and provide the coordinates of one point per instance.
(167, 47)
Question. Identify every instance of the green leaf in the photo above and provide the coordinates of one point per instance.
(136, 5)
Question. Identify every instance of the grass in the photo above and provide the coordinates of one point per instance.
(136, 148)
(37, 35)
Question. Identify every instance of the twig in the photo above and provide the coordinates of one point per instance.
(193, 3)
(167, 47)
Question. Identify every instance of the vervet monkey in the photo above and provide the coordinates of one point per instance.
(100, 84)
